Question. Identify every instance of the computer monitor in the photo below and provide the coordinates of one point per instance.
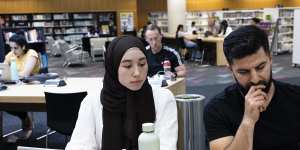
(5, 72)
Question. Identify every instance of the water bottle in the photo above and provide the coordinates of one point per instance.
(148, 140)
(167, 69)
(13, 70)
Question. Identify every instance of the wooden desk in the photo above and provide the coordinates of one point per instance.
(34, 93)
(177, 87)
(30, 97)
(220, 57)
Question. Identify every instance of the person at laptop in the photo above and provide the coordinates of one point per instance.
(28, 63)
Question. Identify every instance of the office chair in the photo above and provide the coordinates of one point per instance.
(182, 48)
(62, 111)
(97, 48)
(201, 48)
(73, 54)
(52, 47)
(32, 148)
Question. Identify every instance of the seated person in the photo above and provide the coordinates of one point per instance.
(193, 29)
(92, 32)
(188, 43)
(213, 27)
(28, 63)
(113, 120)
(257, 112)
(224, 29)
(255, 21)
(157, 53)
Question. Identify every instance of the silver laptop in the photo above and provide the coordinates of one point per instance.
(5, 72)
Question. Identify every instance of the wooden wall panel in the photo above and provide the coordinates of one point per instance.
(291, 3)
(196, 5)
(147, 6)
(43, 6)
(33, 6)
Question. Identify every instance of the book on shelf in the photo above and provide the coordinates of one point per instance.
(104, 29)
(42, 17)
(61, 16)
(82, 16)
(19, 17)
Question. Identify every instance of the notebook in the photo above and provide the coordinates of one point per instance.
(5, 72)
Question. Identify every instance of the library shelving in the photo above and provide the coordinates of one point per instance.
(160, 19)
(296, 45)
(70, 26)
(200, 19)
(237, 18)
(285, 30)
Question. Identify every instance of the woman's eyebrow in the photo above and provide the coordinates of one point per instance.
(126, 60)
(129, 60)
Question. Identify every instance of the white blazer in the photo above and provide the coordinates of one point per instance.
(87, 134)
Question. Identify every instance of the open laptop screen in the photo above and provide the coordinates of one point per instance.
(4, 72)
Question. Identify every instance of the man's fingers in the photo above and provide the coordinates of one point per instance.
(257, 93)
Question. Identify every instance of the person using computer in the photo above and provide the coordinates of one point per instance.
(113, 119)
(28, 63)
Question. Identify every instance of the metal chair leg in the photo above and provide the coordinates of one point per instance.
(48, 130)
(202, 56)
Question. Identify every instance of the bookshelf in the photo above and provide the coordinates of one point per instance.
(69, 26)
(237, 18)
(285, 30)
(107, 24)
(296, 40)
(160, 19)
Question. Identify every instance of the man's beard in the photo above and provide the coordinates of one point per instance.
(244, 90)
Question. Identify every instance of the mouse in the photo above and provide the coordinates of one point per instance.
(3, 87)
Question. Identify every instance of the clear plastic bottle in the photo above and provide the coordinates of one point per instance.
(167, 69)
(13, 70)
(148, 140)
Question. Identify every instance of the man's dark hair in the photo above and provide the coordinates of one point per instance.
(153, 27)
(256, 20)
(19, 40)
(193, 23)
(245, 41)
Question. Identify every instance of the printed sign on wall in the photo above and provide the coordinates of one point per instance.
(126, 21)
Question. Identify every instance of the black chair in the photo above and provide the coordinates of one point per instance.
(182, 48)
(107, 44)
(62, 111)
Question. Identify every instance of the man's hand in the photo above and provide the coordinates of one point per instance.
(254, 104)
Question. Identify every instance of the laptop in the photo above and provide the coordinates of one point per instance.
(5, 72)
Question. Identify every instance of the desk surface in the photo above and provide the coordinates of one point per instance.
(34, 93)
(220, 58)
(194, 37)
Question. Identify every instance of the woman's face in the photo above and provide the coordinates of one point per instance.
(133, 69)
(16, 49)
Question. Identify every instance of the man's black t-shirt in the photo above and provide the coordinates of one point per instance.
(155, 61)
(278, 128)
